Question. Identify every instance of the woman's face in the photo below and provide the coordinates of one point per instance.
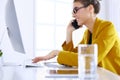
(81, 13)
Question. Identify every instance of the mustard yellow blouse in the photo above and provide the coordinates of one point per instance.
(107, 39)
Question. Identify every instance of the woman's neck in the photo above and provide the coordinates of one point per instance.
(90, 23)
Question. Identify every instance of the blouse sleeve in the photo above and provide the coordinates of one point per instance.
(69, 47)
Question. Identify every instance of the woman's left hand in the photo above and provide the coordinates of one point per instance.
(51, 55)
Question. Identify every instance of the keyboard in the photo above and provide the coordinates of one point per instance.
(28, 63)
(33, 65)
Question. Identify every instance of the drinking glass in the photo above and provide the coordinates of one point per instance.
(87, 61)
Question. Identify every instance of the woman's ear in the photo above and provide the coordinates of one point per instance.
(91, 8)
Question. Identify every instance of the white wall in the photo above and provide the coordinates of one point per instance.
(25, 15)
(114, 13)
(103, 9)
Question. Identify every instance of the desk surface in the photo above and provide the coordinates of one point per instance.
(41, 73)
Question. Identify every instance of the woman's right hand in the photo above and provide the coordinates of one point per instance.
(70, 27)
(69, 31)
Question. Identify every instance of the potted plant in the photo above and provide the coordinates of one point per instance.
(0, 58)
(1, 53)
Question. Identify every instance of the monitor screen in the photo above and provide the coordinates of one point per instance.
(13, 27)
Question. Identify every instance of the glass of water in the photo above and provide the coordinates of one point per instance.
(87, 61)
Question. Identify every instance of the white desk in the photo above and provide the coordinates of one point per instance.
(23, 73)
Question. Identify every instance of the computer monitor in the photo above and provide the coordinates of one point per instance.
(13, 27)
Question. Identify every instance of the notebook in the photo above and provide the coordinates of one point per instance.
(55, 70)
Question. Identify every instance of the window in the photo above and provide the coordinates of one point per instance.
(52, 17)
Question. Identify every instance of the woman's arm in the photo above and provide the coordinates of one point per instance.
(51, 55)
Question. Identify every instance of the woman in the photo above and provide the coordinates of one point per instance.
(98, 32)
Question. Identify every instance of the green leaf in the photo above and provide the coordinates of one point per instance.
(1, 53)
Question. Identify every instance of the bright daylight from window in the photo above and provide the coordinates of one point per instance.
(52, 17)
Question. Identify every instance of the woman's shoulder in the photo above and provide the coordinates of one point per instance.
(105, 22)
(104, 26)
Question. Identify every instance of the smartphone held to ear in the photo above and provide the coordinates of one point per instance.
(75, 24)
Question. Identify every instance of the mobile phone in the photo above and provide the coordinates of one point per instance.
(75, 24)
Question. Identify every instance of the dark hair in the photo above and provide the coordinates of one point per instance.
(86, 3)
